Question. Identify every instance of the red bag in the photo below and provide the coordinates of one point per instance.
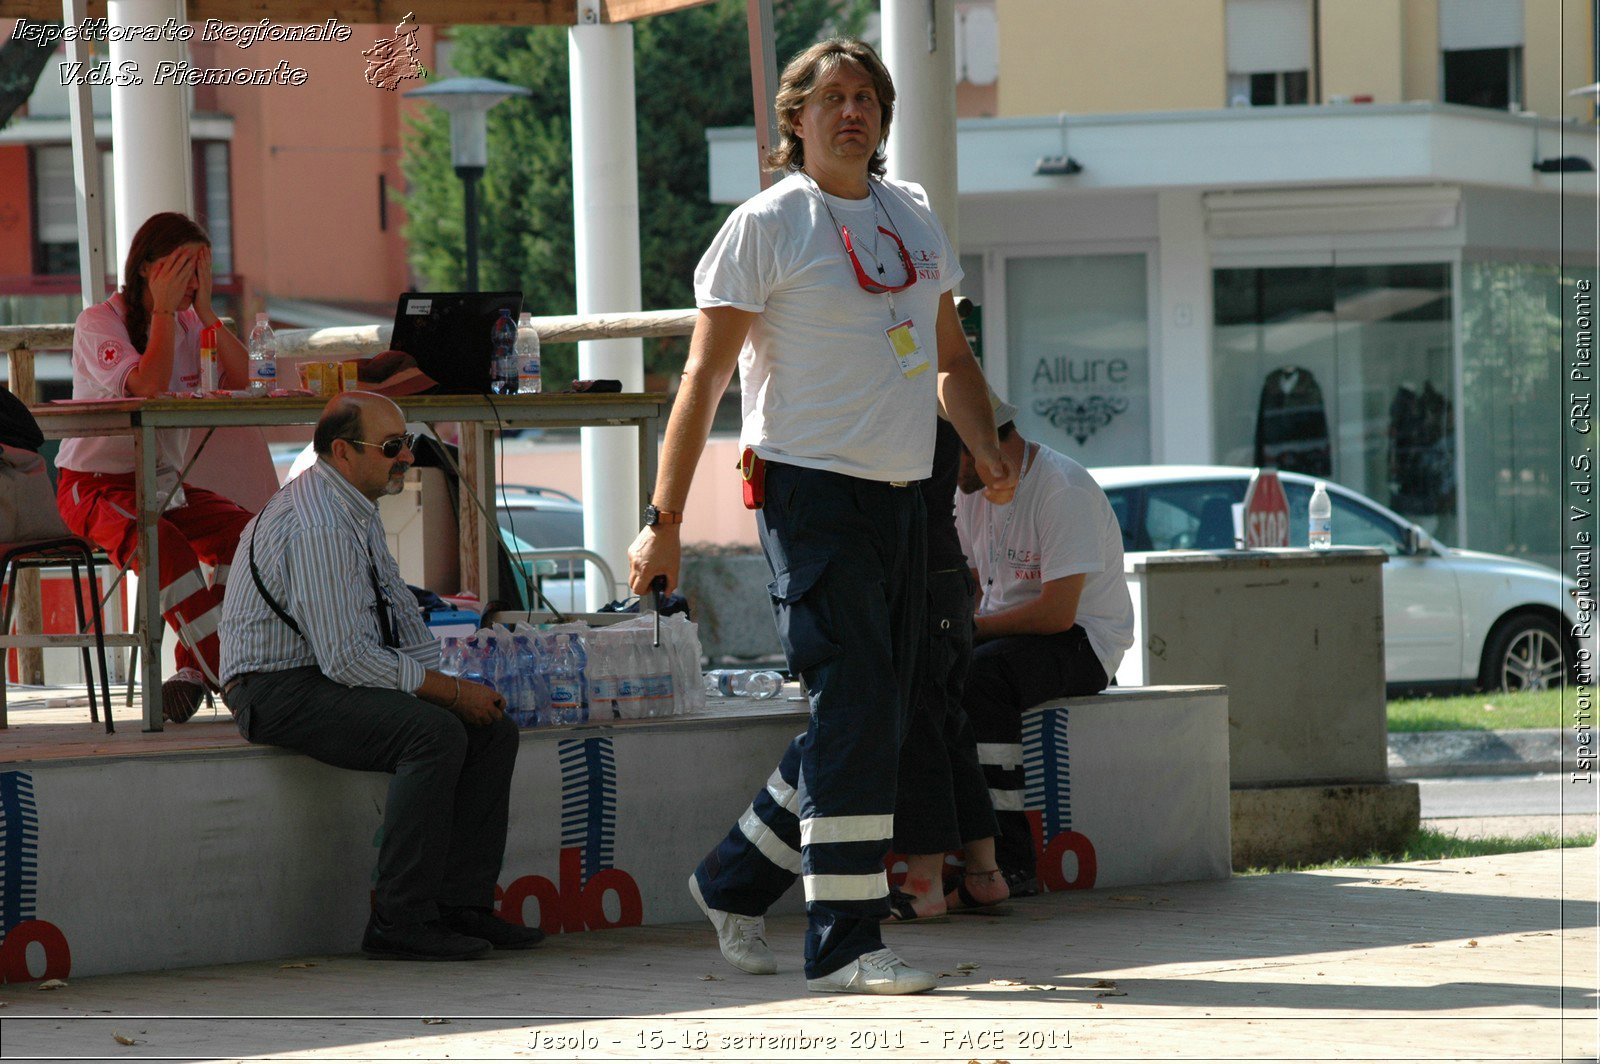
(753, 468)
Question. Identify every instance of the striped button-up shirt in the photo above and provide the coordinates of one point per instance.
(318, 540)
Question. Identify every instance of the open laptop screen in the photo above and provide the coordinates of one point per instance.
(448, 334)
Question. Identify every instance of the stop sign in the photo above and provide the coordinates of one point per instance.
(1266, 511)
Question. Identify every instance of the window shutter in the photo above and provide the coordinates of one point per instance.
(1469, 24)
(1265, 36)
(977, 45)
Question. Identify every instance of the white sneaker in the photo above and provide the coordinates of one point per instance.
(878, 972)
(743, 939)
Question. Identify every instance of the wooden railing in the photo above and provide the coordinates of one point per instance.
(21, 342)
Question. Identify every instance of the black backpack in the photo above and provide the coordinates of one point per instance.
(17, 427)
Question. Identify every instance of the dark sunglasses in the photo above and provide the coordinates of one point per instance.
(391, 447)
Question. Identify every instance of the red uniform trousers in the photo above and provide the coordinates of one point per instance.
(100, 507)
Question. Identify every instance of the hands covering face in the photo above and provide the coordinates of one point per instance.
(172, 279)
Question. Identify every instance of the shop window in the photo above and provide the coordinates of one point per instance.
(1078, 332)
(1342, 372)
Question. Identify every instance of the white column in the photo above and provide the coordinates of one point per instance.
(605, 193)
(922, 138)
(1180, 373)
(151, 160)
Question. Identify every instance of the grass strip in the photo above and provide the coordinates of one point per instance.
(1428, 845)
(1477, 712)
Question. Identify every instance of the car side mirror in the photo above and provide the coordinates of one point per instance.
(1418, 541)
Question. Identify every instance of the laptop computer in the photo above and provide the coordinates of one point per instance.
(448, 334)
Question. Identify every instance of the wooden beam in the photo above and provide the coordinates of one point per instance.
(352, 12)
(628, 10)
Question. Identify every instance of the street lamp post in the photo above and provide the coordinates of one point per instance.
(468, 101)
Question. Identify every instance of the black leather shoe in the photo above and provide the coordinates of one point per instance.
(481, 923)
(420, 942)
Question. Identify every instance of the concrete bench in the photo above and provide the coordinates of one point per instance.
(132, 863)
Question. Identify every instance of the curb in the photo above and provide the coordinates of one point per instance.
(1523, 751)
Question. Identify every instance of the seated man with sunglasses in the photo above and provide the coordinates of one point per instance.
(324, 652)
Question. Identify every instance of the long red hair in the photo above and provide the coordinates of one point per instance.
(161, 234)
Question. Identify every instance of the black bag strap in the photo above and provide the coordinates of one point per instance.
(255, 574)
(385, 625)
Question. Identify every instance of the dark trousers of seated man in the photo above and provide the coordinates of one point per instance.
(848, 558)
(1009, 675)
(942, 801)
(444, 821)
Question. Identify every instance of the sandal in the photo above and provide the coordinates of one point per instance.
(967, 903)
(903, 910)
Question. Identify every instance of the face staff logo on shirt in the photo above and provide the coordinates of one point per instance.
(111, 353)
(1025, 563)
(927, 264)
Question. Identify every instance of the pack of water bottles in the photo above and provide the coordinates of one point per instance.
(631, 678)
(571, 673)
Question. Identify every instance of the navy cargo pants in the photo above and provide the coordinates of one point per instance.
(848, 565)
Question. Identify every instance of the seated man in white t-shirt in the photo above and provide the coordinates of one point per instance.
(1053, 616)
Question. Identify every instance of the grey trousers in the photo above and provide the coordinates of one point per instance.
(444, 823)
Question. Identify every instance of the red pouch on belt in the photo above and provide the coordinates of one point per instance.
(753, 468)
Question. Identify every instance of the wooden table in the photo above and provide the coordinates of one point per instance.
(479, 417)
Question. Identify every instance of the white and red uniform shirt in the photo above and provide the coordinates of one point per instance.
(102, 358)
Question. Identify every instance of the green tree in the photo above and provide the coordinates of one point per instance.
(691, 73)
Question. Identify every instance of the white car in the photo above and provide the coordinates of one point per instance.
(1452, 618)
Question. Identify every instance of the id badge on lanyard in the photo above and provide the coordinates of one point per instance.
(906, 347)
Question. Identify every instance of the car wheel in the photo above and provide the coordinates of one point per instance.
(1525, 653)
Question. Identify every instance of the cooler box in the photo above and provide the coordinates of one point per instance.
(445, 623)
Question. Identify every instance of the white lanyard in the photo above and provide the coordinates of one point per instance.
(838, 230)
(1011, 514)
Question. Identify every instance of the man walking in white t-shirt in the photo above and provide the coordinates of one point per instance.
(831, 294)
(1053, 617)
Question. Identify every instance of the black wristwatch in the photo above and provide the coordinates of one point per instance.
(654, 516)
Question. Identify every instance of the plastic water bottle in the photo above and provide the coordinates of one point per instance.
(525, 669)
(1321, 518)
(503, 339)
(564, 681)
(527, 352)
(263, 357)
(450, 656)
(740, 683)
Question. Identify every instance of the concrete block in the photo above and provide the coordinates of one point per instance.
(1297, 637)
(727, 593)
(1305, 825)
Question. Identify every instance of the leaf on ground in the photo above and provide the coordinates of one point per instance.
(434, 1019)
(967, 966)
(1112, 993)
(1421, 945)
(52, 984)
(1103, 984)
(1098, 1005)
(124, 1040)
(1471, 942)
(298, 964)
(709, 978)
